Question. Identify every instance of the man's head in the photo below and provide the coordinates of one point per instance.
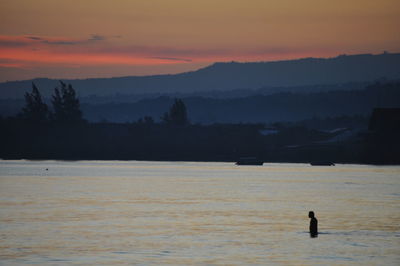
(311, 214)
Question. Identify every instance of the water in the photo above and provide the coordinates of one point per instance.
(151, 213)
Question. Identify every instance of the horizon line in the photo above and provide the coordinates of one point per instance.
(384, 52)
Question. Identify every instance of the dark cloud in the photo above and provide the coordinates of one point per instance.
(96, 37)
(63, 42)
(160, 52)
(10, 41)
(35, 38)
(173, 59)
(51, 41)
(4, 43)
(54, 42)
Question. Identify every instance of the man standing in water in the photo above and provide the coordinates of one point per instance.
(313, 224)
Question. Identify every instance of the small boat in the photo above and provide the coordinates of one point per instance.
(322, 163)
(249, 161)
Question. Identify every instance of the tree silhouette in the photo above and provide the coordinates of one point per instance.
(35, 109)
(57, 102)
(148, 120)
(177, 114)
(66, 105)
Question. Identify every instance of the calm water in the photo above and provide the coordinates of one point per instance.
(149, 213)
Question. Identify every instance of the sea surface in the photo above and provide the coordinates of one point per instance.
(187, 213)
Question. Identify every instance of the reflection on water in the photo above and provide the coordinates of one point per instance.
(112, 212)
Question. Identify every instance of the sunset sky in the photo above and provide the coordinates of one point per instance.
(103, 38)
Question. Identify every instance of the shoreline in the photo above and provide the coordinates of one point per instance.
(189, 161)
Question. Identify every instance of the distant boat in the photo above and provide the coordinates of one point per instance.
(249, 161)
(322, 163)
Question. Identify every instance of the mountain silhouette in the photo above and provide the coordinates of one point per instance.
(230, 76)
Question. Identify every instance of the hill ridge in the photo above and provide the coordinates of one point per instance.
(222, 76)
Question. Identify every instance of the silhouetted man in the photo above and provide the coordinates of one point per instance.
(313, 224)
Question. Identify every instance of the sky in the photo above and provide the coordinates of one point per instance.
(103, 38)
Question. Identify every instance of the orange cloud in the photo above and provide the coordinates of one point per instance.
(36, 49)
(26, 51)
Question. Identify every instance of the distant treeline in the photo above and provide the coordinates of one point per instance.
(60, 132)
(219, 142)
(277, 107)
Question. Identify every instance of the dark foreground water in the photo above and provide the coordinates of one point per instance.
(151, 213)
